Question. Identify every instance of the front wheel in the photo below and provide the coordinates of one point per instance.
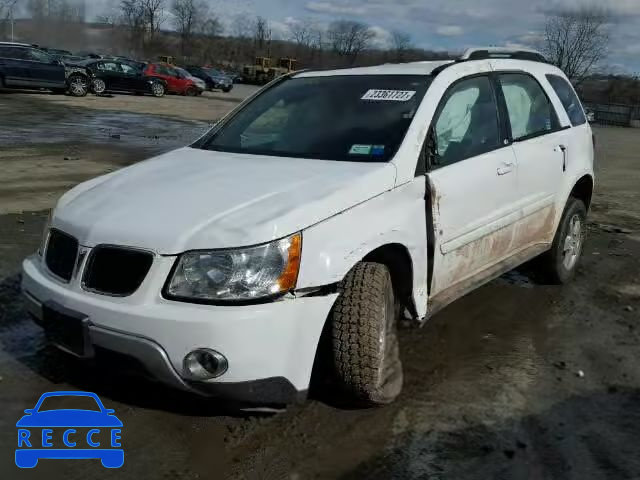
(98, 86)
(78, 86)
(366, 353)
(559, 264)
(191, 92)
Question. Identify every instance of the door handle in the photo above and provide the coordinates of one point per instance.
(507, 167)
(564, 157)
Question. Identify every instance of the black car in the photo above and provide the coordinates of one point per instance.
(214, 79)
(115, 76)
(25, 66)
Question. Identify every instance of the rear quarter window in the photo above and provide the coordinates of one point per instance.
(569, 99)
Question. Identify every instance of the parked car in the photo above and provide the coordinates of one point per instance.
(214, 79)
(112, 76)
(200, 84)
(175, 81)
(24, 66)
(291, 238)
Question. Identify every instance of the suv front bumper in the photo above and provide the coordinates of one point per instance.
(270, 348)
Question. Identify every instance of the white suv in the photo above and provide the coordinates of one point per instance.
(317, 213)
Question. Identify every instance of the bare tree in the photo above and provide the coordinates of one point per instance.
(401, 44)
(349, 38)
(577, 40)
(153, 15)
(302, 33)
(133, 17)
(188, 14)
(261, 33)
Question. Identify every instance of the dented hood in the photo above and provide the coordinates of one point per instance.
(196, 199)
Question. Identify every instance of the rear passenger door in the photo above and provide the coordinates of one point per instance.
(540, 145)
(44, 70)
(473, 186)
(14, 66)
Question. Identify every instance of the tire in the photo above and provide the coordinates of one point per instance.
(158, 89)
(98, 86)
(558, 266)
(366, 353)
(78, 85)
(191, 92)
(226, 89)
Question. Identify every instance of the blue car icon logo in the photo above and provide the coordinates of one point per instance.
(69, 433)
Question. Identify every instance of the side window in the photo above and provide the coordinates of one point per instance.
(39, 56)
(530, 111)
(108, 67)
(569, 99)
(18, 53)
(128, 69)
(467, 125)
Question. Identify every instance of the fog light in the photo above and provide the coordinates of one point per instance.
(203, 364)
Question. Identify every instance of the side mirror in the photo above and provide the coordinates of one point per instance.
(29, 411)
(109, 411)
(431, 147)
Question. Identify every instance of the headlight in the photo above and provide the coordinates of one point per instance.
(45, 234)
(237, 274)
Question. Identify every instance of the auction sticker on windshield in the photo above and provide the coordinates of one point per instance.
(389, 95)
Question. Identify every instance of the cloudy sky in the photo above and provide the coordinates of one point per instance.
(440, 24)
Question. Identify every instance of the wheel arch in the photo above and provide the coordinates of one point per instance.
(583, 190)
(397, 259)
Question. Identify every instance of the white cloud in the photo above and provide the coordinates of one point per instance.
(335, 8)
(450, 30)
(382, 38)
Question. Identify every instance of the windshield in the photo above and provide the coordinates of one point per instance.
(348, 118)
(213, 72)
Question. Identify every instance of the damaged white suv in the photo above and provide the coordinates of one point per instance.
(316, 214)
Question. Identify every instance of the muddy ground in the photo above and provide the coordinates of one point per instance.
(516, 380)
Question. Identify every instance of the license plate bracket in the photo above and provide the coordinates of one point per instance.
(67, 329)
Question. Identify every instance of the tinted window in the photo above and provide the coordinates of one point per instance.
(38, 56)
(14, 52)
(129, 70)
(530, 111)
(108, 67)
(569, 99)
(467, 125)
(348, 118)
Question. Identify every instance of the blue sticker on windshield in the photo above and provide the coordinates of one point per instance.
(377, 150)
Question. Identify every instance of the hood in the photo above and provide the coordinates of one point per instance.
(196, 199)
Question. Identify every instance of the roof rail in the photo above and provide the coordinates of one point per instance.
(484, 53)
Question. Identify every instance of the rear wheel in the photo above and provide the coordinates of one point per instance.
(157, 89)
(191, 92)
(366, 352)
(78, 85)
(559, 264)
(98, 86)
(226, 89)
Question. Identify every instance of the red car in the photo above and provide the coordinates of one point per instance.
(176, 81)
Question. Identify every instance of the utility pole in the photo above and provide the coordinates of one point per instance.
(11, 17)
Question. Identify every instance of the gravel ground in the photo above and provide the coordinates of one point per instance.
(516, 380)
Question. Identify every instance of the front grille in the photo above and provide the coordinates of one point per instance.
(116, 271)
(60, 257)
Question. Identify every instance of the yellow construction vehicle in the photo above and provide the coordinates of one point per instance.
(259, 72)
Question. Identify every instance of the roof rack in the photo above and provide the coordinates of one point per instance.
(484, 53)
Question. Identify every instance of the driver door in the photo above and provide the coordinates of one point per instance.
(473, 187)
